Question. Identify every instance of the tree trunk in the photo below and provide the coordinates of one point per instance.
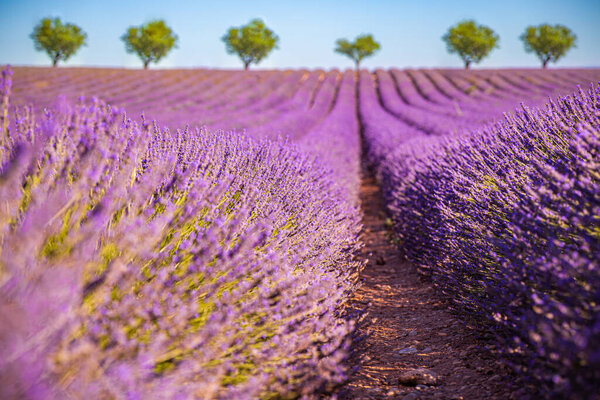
(357, 63)
(545, 62)
(146, 64)
(246, 65)
(467, 63)
(55, 60)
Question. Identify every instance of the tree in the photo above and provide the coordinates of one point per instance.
(251, 42)
(58, 40)
(151, 41)
(548, 42)
(470, 41)
(363, 46)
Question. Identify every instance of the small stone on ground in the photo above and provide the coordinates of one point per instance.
(420, 376)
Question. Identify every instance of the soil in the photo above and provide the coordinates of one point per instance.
(407, 325)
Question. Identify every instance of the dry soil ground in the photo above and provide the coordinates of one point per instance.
(412, 346)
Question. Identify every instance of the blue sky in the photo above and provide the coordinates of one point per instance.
(409, 30)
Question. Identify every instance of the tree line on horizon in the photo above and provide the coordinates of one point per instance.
(254, 41)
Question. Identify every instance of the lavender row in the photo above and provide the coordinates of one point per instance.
(383, 134)
(271, 103)
(335, 140)
(423, 119)
(137, 262)
(505, 222)
(295, 122)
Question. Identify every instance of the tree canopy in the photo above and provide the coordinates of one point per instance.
(151, 41)
(470, 41)
(363, 46)
(251, 42)
(548, 42)
(60, 41)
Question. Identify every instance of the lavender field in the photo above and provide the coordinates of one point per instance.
(195, 233)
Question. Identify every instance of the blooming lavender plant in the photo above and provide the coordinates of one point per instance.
(137, 262)
(505, 222)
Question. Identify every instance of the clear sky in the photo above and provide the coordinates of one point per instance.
(409, 31)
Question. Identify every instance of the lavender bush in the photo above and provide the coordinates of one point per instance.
(506, 223)
(137, 262)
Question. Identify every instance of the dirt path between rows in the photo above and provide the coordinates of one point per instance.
(408, 326)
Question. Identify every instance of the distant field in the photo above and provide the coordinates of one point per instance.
(292, 102)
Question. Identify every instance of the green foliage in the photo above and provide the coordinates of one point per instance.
(60, 41)
(548, 42)
(470, 41)
(363, 46)
(151, 41)
(251, 42)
